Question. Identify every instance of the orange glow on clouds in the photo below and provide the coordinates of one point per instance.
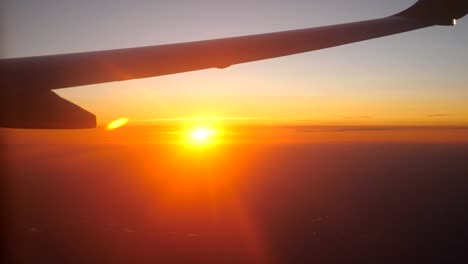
(117, 123)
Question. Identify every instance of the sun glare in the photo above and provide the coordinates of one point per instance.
(201, 135)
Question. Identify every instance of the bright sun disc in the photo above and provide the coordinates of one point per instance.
(201, 134)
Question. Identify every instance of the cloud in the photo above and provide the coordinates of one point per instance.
(345, 128)
(357, 117)
(199, 119)
(440, 115)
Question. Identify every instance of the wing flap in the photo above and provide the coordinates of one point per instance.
(43, 110)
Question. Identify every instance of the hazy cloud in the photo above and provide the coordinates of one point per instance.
(440, 115)
(357, 117)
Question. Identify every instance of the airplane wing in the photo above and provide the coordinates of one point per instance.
(27, 100)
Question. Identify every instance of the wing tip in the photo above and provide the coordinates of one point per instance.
(437, 12)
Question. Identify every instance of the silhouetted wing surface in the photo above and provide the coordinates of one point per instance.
(59, 71)
(67, 70)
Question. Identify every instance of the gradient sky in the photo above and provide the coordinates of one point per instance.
(416, 78)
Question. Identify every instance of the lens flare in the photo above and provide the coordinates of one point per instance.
(117, 123)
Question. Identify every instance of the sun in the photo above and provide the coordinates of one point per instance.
(201, 136)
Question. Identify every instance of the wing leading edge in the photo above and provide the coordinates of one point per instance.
(35, 75)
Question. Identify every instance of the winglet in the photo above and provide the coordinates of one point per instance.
(437, 12)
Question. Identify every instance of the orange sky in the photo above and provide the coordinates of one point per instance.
(328, 102)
